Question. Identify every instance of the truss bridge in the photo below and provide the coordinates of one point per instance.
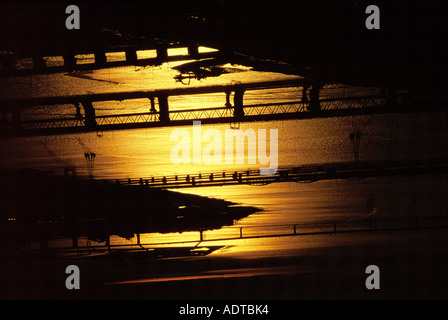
(161, 115)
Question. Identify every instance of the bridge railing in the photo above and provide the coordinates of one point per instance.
(207, 113)
(362, 224)
(340, 106)
(370, 101)
(303, 173)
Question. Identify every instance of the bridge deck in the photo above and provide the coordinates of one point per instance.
(99, 57)
(297, 109)
(161, 249)
(301, 174)
(23, 103)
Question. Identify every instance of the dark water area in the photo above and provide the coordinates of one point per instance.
(280, 241)
(43, 207)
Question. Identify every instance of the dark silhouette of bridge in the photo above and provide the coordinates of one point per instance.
(301, 174)
(160, 115)
(276, 36)
(98, 57)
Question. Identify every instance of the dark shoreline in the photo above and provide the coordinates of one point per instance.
(412, 262)
(40, 206)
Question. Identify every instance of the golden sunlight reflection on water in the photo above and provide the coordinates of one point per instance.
(144, 153)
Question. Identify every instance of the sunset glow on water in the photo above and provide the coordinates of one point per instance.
(145, 153)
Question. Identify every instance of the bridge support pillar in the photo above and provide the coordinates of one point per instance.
(193, 51)
(304, 92)
(100, 58)
(153, 105)
(89, 112)
(228, 104)
(74, 242)
(238, 103)
(108, 243)
(131, 56)
(69, 61)
(39, 63)
(162, 52)
(164, 115)
(314, 98)
(78, 110)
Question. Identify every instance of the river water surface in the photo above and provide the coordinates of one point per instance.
(146, 153)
